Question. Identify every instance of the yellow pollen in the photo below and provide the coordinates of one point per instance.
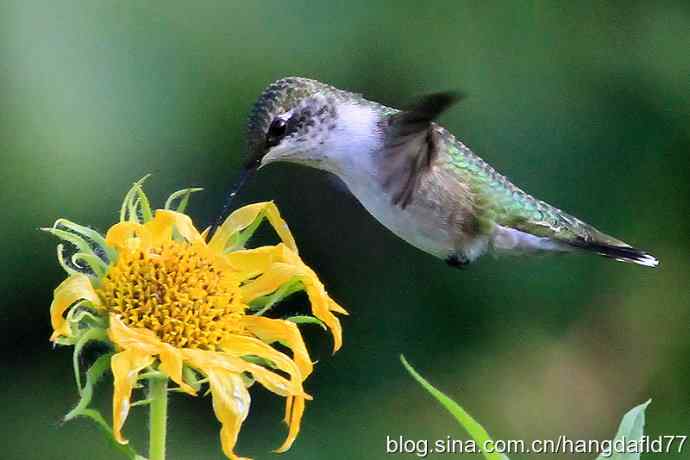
(178, 291)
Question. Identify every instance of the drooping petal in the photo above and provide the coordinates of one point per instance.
(202, 359)
(280, 273)
(280, 226)
(231, 405)
(253, 262)
(294, 409)
(171, 365)
(76, 287)
(277, 274)
(320, 306)
(161, 227)
(126, 366)
(127, 337)
(246, 216)
(336, 307)
(239, 345)
(275, 330)
(128, 236)
(321, 302)
(145, 341)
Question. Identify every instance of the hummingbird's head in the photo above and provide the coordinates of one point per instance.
(296, 120)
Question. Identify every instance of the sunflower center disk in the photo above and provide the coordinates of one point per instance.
(178, 291)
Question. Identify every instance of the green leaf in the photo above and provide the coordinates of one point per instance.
(475, 430)
(631, 428)
(125, 449)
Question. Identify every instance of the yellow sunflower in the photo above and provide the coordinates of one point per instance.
(177, 305)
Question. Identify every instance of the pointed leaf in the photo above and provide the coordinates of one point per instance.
(475, 430)
(125, 449)
(631, 428)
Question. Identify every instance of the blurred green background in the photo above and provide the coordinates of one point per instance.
(585, 104)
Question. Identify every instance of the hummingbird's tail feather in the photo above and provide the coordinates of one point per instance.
(573, 235)
(621, 253)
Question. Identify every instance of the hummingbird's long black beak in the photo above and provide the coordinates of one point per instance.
(248, 171)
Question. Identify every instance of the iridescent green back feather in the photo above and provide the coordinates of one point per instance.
(498, 201)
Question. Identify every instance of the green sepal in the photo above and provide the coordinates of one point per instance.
(260, 361)
(61, 260)
(81, 317)
(91, 335)
(247, 379)
(89, 234)
(95, 263)
(82, 312)
(135, 200)
(192, 378)
(80, 236)
(81, 244)
(306, 319)
(182, 195)
(93, 375)
(475, 430)
(141, 402)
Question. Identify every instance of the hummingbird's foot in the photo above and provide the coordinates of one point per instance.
(457, 261)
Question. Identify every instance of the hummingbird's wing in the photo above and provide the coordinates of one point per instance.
(410, 145)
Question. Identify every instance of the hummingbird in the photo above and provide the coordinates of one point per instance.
(414, 176)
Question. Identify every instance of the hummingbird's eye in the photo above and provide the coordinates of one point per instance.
(276, 132)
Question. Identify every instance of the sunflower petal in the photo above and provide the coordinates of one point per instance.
(127, 337)
(126, 366)
(239, 345)
(280, 226)
(292, 267)
(203, 360)
(245, 217)
(277, 275)
(162, 225)
(146, 341)
(128, 236)
(320, 306)
(231, 405)
(253, 262)
(294, 409)
(276, 330)
(321, 302)
(336, 307)
(76, 287)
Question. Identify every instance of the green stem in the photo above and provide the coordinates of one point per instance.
(158, 417)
